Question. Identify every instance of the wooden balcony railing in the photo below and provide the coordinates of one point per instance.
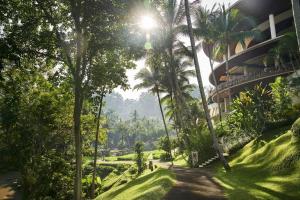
(250, 77)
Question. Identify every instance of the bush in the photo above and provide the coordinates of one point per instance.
(164, 157)
(87, 185)
(251, 111)
(164, 144)
(103, 171)
(281, 98)
(140, 161)
(132, 170)
(156, 154)
(223, 129)
(202, 143)
(127, 157)
(296, 128)
(48, 176)
(118, 168)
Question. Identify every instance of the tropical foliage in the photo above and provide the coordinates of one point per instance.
(60, 62)
(256, 110)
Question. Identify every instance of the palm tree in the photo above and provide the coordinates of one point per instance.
(296, 13)
(205, 30)
(183, 73)
(200, 83)
(286, 48)
(171, 17)
(151, 78)
(226, 23)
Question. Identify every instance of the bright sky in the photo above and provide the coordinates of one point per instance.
(203, 61)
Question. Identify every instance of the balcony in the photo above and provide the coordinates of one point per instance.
(252, 52)
(250, 78)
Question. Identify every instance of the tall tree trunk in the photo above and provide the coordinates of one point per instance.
(296, 13)
(174, 106)
(183, 108)
(176, 89)
(175, 114)
(165, 125)
(96, 146)
(227, 71)
(215, 82)
(200, 83)
(77, 136)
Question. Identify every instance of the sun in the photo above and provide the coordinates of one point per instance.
(147, 23)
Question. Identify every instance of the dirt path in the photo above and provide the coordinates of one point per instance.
(194, 184)
(8, 186)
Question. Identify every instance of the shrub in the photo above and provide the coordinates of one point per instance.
(156, 154)
(296, 128)
(87, 185)
(164, 157)
(132, 170)
(126, 157)
(118, 168)
(223, 129)
(47, 176)
(164, 144)
(202, 143)
(251, 111)
(140, 161)
(281, 98)
(104, 171)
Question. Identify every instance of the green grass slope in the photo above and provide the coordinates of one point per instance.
(149, 186)
(155, 154)
(266, 168)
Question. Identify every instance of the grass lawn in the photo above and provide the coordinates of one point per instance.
(155, 155)
(266, 168)
(180, 161)
(149, 186)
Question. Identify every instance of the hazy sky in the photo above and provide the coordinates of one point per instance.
(203, 61)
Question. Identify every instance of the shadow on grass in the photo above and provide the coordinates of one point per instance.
(242, 183)
(157, 178)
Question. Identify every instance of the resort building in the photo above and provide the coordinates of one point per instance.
(247, 66)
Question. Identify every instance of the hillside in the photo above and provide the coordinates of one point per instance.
(146, 106)
(266, 168)
(149, 186)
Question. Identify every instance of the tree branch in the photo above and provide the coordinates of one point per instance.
(59, 37)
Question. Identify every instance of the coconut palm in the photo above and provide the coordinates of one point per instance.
(286, 48)
(201, 88)
(183, 73)
(296, 13)
(227, 23)
(171, 16)
(151, 78)
(205, 30)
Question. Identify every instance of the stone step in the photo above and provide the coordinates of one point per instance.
(209, 161)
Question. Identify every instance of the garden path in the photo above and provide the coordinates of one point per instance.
(194, 184)
(8, 186)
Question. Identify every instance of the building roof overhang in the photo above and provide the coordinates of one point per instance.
(261, 9)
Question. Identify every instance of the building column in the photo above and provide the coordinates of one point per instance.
(229, 54)
(272, 26)
(245, 71)
(225, 104)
